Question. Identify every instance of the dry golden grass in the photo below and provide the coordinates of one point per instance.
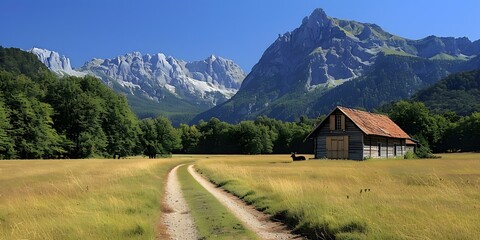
(120, 199)
(81, 199)
(379, 199)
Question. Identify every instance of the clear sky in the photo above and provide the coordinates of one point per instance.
(194, 29)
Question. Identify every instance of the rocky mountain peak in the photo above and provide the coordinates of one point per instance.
(317, 27)
(56, 63)
(317, 18)
(212, 58)
(206, 82)
(335, 51)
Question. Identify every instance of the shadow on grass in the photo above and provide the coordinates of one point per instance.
(323, 230)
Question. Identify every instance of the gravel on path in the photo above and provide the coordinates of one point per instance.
(177, 218)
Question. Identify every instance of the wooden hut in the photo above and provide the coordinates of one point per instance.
(353, 134)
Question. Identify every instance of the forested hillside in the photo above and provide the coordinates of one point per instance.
(459, 93)
(19, 62)
(47, 117)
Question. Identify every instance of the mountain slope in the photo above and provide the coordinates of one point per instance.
(304, 71)
(458, 92)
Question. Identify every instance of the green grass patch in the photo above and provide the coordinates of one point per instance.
(212, 219)
(444, 56)
(389, 51)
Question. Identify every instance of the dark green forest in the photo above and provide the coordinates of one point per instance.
(44, 116)
(459, 93)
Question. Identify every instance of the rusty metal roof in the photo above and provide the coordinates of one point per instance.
(374, 124)
(371, 123)
(410, 142)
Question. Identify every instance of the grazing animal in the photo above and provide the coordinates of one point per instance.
(297, 158)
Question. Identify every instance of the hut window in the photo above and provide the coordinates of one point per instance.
(338, 122)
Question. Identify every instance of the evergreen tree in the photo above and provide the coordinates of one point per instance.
(459, 93)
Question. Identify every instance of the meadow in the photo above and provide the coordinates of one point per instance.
(373, 199)
(82, 199)
(322, 199)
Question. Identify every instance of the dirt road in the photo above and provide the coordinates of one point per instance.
(257, 221)
(177, 218)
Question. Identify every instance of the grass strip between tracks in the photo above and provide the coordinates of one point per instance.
(212, 219)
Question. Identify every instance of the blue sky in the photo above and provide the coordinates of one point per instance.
(192, 30)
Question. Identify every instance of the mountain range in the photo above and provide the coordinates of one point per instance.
(327, 62)
(306, 72)
(158, 84)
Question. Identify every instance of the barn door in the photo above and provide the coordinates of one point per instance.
(337, 147)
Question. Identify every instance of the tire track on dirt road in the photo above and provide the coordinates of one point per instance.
(177, 218)
(255, 220)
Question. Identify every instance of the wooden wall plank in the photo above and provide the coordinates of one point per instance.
(332, 122)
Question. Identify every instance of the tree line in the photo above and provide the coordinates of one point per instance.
(262, 136)
(44, 116)
(436, 131)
